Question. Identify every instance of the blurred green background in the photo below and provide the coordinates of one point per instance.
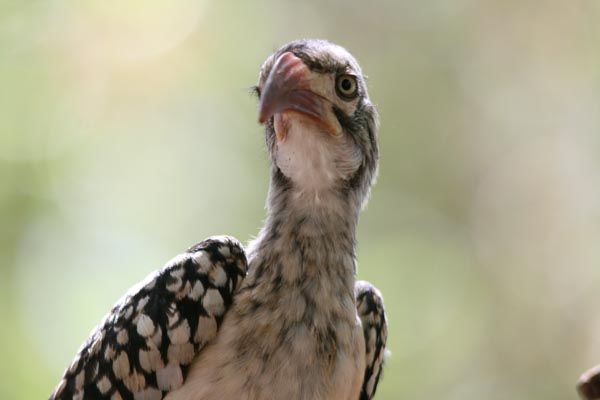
(127, 134)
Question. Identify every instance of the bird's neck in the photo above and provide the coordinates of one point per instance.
(308, 236)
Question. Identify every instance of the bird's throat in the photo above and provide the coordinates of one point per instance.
(306, 243)
(310, 156)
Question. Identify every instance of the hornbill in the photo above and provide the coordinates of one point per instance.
(283, 318)
(588, 385)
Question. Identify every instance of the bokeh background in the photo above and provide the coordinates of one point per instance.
(127, 134)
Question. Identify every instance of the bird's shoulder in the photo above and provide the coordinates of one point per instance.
(143, 346)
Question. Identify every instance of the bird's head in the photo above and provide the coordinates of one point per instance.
(321, 127)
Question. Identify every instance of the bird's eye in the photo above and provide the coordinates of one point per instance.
(346, 87)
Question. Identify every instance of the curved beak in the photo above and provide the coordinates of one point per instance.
(290, 87)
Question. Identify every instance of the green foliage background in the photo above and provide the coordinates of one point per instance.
(127, 134)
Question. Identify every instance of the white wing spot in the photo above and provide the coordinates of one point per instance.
(79, 380)
(218, 276)
(95, 347)
(196, 291)
(224, 250)
(202, 259)
(178, 272)
(135, 382)
(128, 312)
(176, 275)
(173, 315)
(109, 353)
(121, 365)
(150, 360)
(122, 337)
(213, 302)
(372, 337)
(169, 377)
(157, 337)
(187, 288)
(207, 330)
(145, 326)
(104, 385)
(142, 303)
(181, 334)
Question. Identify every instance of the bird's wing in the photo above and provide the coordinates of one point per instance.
(371, 312)
(142, 348)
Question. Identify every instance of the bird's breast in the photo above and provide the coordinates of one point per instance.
(297, 340)
(275, 362)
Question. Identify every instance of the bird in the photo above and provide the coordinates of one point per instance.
(283, 317)
(588, 385)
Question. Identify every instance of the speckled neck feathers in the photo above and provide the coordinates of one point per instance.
(306, 234)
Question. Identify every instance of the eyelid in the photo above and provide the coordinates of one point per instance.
(338, 76)
(346, 72)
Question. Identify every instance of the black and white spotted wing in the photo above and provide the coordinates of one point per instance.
(142, 348)
(371, 312)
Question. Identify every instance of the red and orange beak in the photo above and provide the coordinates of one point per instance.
(290, 87)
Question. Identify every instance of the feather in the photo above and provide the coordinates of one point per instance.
(128, 354)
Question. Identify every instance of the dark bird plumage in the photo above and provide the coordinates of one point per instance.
(285, 318)
(588, 385)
